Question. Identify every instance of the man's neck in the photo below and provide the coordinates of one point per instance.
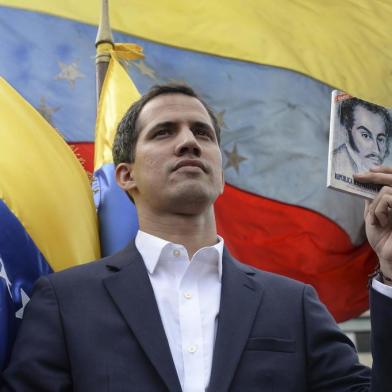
(191, 231)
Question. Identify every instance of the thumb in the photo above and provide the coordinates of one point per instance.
(366, 211)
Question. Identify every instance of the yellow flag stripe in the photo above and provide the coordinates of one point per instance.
(118, 92)
(345, 44)
(44, 185)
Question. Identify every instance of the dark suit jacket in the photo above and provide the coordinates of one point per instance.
(97, 328)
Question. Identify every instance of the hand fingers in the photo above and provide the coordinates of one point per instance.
(379, 209)
(382, 210)
(381, 169)
(377, 175)
(367, 206)
(374, 178)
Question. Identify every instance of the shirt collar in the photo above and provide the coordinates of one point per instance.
(151, 247)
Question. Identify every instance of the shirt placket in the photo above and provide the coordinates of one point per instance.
(191, 331)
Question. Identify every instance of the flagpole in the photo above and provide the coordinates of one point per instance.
(103, 44)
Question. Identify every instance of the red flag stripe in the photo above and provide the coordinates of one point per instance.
(298, 243)
(85, 153)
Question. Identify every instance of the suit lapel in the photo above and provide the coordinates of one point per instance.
(130, 289)
(240, 300)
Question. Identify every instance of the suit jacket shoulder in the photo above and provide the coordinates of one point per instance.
(94, 327)
(269, 280)
(293, 343)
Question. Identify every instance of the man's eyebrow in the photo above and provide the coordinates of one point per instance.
(164, 124)
(368, 131)
(364, 128)
(172, 124)
(203, 124)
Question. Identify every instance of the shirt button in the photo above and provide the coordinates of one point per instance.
(176, 252)
(192, 349)
(188, 295)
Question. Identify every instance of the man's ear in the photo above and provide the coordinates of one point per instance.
(124, 177)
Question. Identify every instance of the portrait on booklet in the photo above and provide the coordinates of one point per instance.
(360, 133)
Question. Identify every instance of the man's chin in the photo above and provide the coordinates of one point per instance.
(190, 199)
(371, 163)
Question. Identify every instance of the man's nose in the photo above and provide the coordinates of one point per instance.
(379, 146)
(375, 145)
(187, 144)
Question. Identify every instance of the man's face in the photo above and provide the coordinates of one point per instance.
(369, 136)
(178, 163)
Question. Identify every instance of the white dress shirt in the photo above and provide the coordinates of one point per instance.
(382, 288)
(188, 297)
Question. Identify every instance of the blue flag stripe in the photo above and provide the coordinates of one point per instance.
(21, 264)
(118, 222)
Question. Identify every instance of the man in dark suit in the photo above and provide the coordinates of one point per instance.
(174, 311)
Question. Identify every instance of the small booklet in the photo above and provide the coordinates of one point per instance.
(360, 134)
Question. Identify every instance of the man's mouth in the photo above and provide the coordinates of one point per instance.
(190, 163)
(376, 159)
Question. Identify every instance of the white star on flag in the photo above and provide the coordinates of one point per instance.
(69, 72)
(25, 300)
(3, 274)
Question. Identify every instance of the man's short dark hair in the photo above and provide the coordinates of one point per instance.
(347, 108)
(124, 145)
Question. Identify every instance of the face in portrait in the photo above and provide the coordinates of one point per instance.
(368, 128)
(176, 165)
(369, 137)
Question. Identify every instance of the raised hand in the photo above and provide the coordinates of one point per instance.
(378, 216)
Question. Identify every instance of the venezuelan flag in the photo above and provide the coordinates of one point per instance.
(47, 216)
(118, 222)
(268, 69)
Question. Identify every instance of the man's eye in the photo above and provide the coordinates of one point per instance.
(202, 132)
(365, 135)
(381, 140)
(162, 132)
